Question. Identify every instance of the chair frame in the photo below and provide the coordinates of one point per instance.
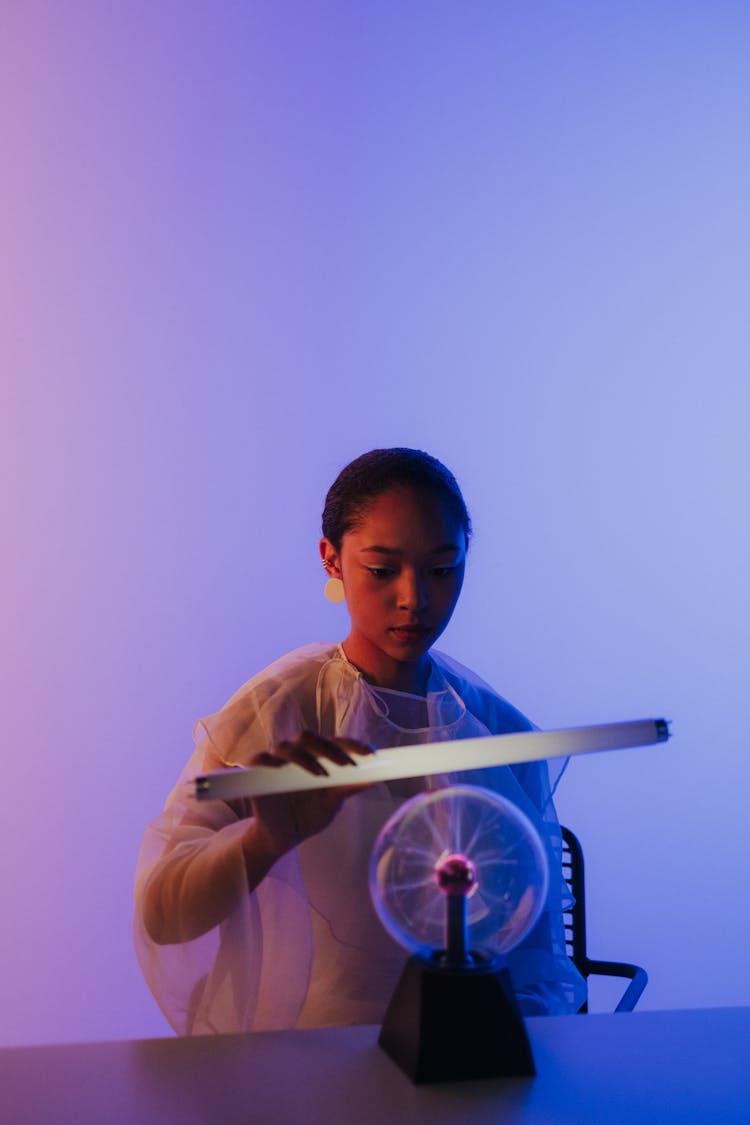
(575, 930)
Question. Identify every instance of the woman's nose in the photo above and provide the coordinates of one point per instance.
(411, 592)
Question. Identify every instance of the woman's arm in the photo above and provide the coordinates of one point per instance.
(196, 885)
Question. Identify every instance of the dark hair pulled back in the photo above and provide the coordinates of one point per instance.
(378, 471)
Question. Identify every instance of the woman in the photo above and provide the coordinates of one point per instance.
(256, 914)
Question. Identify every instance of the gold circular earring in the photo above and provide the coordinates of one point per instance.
(334, 587)
(334, 590)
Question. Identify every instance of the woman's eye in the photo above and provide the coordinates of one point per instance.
(442, 571)
(380, 571)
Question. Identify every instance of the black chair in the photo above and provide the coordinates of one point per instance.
(575, 931)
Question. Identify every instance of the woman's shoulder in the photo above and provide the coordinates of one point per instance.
(276, 703)
(482, 700)
(291, 672)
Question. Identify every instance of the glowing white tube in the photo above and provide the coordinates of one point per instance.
(431, 758)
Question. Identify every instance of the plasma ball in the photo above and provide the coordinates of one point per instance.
(456, 875)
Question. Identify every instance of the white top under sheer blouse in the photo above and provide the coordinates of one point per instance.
(305, 949)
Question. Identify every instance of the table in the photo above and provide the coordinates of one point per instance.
(683, 1066)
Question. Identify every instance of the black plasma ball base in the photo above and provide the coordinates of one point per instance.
(446, 1024)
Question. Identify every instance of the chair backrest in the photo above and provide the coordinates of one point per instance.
(575, 918)
(575, 930)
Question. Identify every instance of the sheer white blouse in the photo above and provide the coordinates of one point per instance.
(306, 948)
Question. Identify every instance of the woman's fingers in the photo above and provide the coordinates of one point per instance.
(337, 750)
(267, 758)
(308, 750)
(355, 747)
(296, 752)
(325, 748)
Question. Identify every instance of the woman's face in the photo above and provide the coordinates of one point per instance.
(402, 569)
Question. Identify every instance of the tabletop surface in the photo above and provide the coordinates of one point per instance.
(684, 1066)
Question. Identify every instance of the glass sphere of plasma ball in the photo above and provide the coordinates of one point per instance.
(509, 863)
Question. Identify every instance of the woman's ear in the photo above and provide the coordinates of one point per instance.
(330, 557)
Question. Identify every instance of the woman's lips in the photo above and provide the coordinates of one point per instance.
(410, 632)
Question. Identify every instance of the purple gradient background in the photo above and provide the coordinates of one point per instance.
(243, 242)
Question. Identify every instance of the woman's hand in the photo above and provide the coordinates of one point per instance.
(278, 824)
